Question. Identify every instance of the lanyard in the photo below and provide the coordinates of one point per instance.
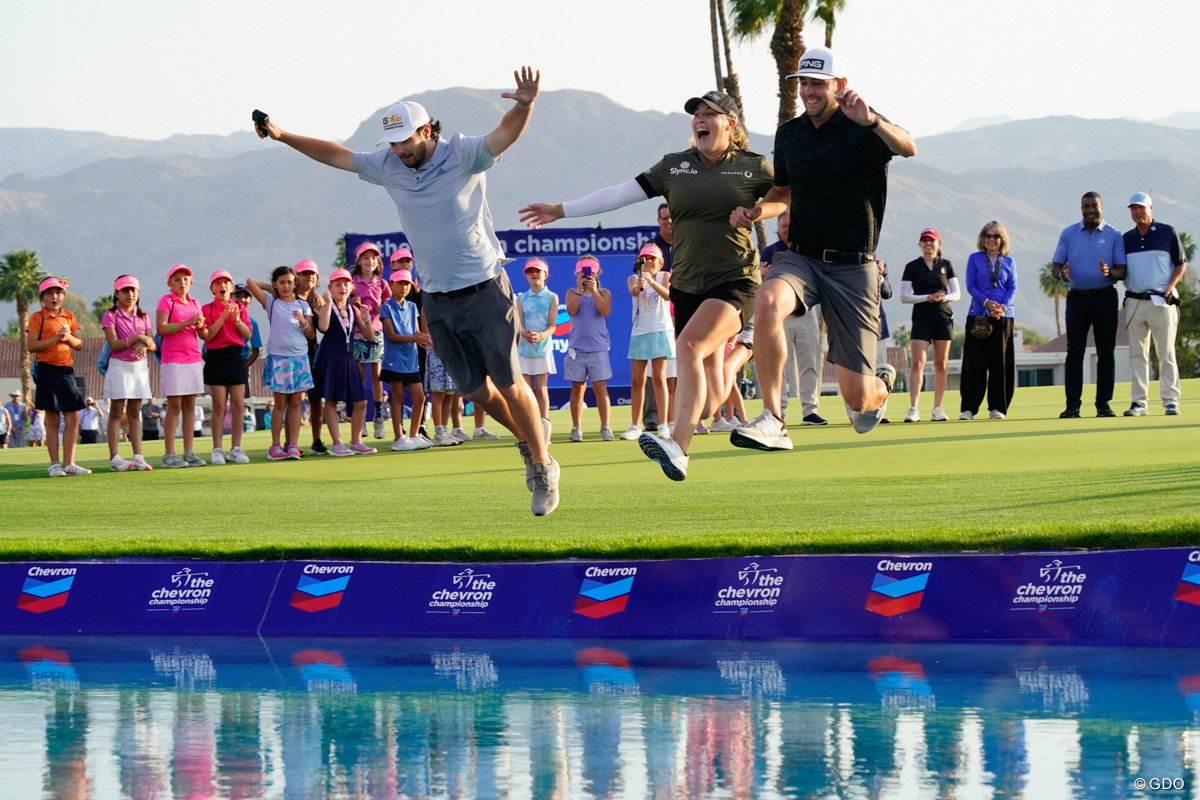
(343, 318)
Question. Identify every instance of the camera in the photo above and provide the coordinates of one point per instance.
(638, 264)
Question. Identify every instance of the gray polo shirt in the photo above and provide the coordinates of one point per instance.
(443, 210)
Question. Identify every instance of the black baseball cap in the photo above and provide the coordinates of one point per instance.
(718, 101)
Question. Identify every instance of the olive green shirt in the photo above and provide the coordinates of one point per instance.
(706, 250)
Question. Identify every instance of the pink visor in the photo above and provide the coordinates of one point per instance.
(126, 282)
(50, 283)
(537, 264)
(307, 266)
(651, 250)
(586, 262)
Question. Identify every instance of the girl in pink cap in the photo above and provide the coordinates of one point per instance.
(335, 374)
(180, 323)
(225, 372)
(370, 293)
(130, 336)
(50, 334)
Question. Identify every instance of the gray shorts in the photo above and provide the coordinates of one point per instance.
(849, 299)
(581, 367)
(475, 333)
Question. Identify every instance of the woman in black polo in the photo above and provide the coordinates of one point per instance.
(930, 285)
(715, 275)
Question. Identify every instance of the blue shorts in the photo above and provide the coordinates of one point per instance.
(288, 374)
(581, 367)
(649, 346)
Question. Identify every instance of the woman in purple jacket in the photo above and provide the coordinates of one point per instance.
(987, 362)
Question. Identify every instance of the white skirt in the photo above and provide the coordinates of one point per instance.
(538, 365)
(127, 380)
(179, 380)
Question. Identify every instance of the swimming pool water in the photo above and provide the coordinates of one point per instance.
(388, 718)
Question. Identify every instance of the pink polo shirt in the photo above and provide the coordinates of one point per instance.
(228, 336)
(125, 326)
(181, 347)
(373, 294)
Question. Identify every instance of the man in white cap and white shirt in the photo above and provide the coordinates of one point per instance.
(836, 156)
(16, 411)
(1155, 265)
(438, 186)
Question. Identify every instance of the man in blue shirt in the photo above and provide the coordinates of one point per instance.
(1156, 265)
(1090, 257)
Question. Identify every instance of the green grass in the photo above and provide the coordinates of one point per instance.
(1029, 482)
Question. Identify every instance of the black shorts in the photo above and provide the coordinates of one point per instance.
(89, 437)
(388, 376)
(224, 366)
(149, 434)
(739, 294)
(933, 329)
(56, 389)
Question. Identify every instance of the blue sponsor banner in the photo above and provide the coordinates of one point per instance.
(560, 248)
(1115, 597)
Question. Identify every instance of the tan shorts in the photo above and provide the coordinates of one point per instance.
(849, 298)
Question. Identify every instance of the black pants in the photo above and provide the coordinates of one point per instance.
(650, 418)
(89, 437)
(1096, 309)
(988, 365)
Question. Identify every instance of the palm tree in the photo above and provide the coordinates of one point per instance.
(751, 18)
(1052, 287)
(1189, 245)
(826, 11)
(20, 274)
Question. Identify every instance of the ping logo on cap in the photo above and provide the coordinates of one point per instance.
(812, 63)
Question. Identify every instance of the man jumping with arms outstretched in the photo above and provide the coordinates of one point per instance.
(438, 187)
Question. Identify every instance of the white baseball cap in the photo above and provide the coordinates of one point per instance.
(820, 62)
(1140, 199)
(401, 121)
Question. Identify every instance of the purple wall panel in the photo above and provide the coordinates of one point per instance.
(1121, 597)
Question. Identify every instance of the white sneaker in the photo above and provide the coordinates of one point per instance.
(238, 456)
(576, 435)
(995, 414)
(724, 426)
(913, 415)
(218, 457)
(766, 432)
(966, 415)
(700, 429)
(664, 431)
(460, 435)
(667, 453)
(544, 485)
(75, 469)
(378, 428)
(443, 439)
(140, 465)
(400, 444)
(419, 442)
(938, 414)
(484, 433)
(865, 421)
(606, 434)
(56, 470)
(632, 432)
(118, 464)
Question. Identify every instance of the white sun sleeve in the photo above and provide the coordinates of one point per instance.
(606, 199)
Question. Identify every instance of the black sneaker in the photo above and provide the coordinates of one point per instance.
(1072, 412)
(1103, 410)
(318, 448)
(815, 419)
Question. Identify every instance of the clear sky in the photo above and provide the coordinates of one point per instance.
(148, 68)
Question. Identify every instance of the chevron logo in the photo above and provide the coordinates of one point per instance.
(598, 599)
(38, 597)
(314, 595)
(891, 596)
(1188, 589)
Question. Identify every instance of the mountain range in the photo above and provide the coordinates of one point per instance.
(96, 206)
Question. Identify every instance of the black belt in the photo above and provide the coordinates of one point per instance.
(450, 295)
(1092, 291)
(833, 256)
(1139, 295)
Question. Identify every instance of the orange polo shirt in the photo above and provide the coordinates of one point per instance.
(45, 326)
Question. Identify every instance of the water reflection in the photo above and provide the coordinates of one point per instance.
(240, 718)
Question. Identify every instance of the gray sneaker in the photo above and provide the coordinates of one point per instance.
(606, 434)
(193, 460)
(527, 458)
(545, 488)
(1171, 409)
(865, 421)
(172, 461)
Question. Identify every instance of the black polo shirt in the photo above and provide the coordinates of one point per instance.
(928, 281)
(838, 175)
